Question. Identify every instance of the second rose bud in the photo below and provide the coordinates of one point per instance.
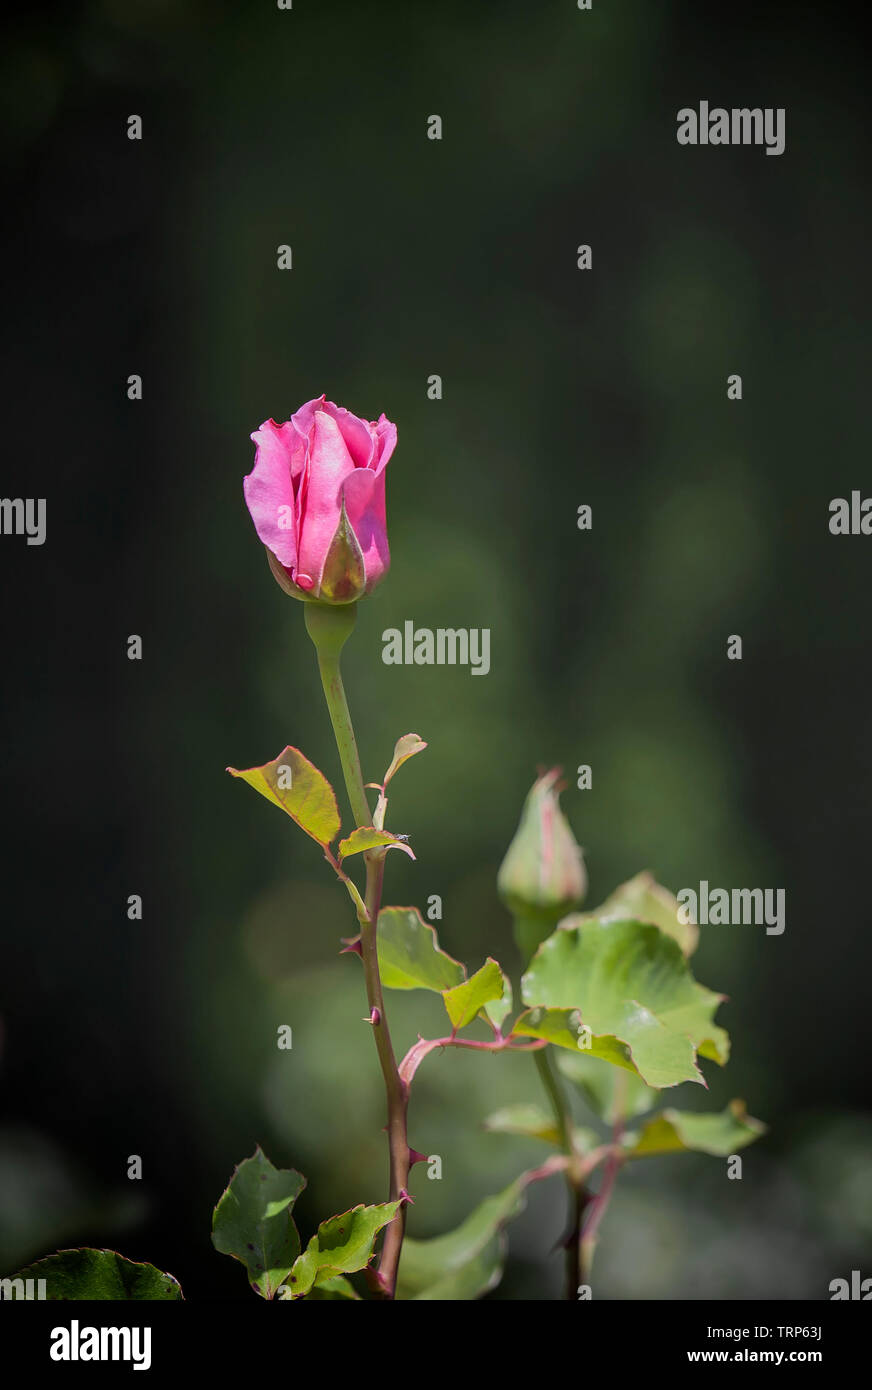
(542, 876)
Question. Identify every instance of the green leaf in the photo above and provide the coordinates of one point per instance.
(86, 1274)
(644, 900)
(608, 1092)
(409, 956)
(294, 784)
(406, 747)
(528, 1120)
(497, 1010)
(463, 1002)
(564, 1028)
(533, 1123)
(253, 1221)
(368, 837)
(467, 1262)
(341, 1245)
(674, 1130)
(622, 991)
(335, 1287)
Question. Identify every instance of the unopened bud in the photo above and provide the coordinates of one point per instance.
(542, 876)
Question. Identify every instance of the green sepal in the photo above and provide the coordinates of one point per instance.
(343, 578)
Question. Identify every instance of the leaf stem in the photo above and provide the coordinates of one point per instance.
(419, 1050)
(329, 627)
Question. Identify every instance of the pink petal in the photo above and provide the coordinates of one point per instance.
(386, 442)
(329, 465)
(358, 435)
(303, 420)
(269, 489)
(365, 508)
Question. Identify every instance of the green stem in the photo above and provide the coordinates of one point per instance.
(556, 1097)
(578, 1194)
(575, 1267)
(529, 931)
(600, 1202)
(329, 627)
(395, 1088)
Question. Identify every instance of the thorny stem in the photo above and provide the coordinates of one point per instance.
(329, 628)
(396, 1089)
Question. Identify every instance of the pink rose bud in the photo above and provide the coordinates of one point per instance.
(316, 496)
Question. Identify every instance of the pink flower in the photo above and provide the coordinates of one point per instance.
(316, 496)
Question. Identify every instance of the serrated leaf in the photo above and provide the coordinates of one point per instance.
(645, 900)
(610, 1094)
(463, 1002)
(465, 1263)
(253, 1221)
(674, 1130)
(497, 1010)
(341, 1245)
(409, 955)
(295, 785)
(368, 837)
(406, 747)
(630, 986)
(72, 1275)
(528, 1120)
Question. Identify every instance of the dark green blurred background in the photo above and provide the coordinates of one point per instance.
(414, 257)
